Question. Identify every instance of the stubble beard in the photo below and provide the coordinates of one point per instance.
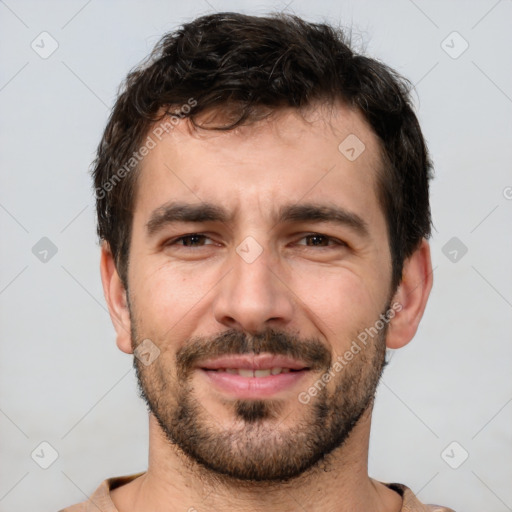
(257, 446)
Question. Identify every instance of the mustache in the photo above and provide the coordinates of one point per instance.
(311, 352)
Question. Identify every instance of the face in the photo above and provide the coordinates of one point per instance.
(258, 258)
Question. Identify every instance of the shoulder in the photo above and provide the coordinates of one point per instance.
(411, 503)
(99, 500)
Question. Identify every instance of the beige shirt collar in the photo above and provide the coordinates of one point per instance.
(100, 500)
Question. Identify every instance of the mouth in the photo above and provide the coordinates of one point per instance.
(243, 372)
(253, 376)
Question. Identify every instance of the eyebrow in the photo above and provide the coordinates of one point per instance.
(312, 212)
(185, 212)
(206, 212)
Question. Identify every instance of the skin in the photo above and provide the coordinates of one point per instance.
(329, 292)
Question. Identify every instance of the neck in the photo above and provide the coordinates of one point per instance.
(338, 483)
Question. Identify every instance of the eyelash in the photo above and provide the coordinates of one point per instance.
(176, 241)
(336, 241)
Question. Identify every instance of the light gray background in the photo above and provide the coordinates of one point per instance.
(62, 379)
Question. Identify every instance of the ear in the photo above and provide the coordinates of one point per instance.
(411, 297)
(115, 295)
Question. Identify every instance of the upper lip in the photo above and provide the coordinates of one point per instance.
(252, 362)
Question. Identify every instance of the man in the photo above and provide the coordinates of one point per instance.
(262, 198)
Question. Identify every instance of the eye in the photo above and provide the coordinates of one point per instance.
(191, 240)
(319, 240)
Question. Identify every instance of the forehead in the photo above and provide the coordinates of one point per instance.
(328, 154)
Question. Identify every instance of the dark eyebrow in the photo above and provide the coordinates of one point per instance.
(311, 212)
(184, 212)
(207, 212)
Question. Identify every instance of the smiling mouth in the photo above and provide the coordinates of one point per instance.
(252, 376)
(244, 372)
(253, 365)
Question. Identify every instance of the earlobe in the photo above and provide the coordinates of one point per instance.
(412, 295)
(115, 295)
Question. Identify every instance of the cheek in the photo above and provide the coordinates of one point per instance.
(168, 298)
(339, 301)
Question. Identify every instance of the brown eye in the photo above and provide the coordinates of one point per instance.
(317, 240)
(192, 240)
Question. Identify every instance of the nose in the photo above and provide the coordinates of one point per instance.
(253, 296)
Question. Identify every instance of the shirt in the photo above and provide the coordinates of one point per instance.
(100, 499)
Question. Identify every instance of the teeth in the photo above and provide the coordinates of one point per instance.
(262, 373)
(254, 373)
(245, 373)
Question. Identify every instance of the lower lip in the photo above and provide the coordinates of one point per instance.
(253, 387)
